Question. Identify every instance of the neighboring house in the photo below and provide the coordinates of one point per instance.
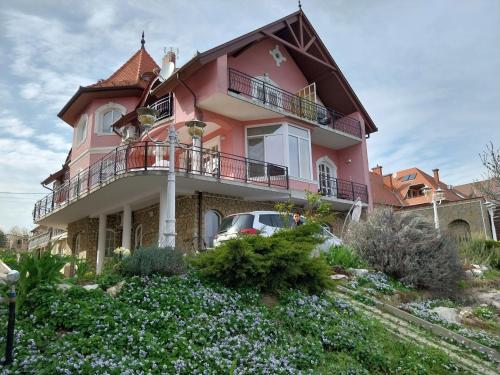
(17, 242)
(459, 214)
(43, 239)
(280, 119)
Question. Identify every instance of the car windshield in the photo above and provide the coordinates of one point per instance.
(235, 223)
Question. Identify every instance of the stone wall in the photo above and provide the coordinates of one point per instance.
(471, 211)
(87, 229)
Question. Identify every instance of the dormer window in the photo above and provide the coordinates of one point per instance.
(81, 130)
(106, 116)
(415, 191)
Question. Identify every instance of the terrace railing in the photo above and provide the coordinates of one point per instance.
(342, 189)
(164, 107)
(148, 156)
(274, 97)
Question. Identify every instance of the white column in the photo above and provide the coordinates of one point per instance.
(436, 217)
(162, 216)
(101, 243)
(127, 227)
(196, 154)
(491, 211)
(170, 216)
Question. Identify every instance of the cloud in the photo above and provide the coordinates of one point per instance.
(55, 141)
(31, 90)
(14, 126)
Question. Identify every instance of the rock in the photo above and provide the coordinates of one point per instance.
(115, 289)
(477, 272)
(358, 271)
(64, 286)
(491, 297)
(447, 313)
(338, 276)
(469, 274)
(465, 314)
(91, 287)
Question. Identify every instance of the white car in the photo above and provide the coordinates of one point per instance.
(264, 223)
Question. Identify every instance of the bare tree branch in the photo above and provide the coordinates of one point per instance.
(490, 187)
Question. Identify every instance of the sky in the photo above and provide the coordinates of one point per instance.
(427, 71)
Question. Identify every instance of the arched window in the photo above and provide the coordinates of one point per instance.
(138, 237)
(106, 116)
(459, 230)
(212, 221)
(110, 243)
(327, 174)
(81, 130)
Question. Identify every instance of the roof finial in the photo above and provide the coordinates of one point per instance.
(300, 6)
(142, 40)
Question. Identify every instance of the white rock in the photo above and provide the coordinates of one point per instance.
(447, 313)
(64, 286)
(491, 297)
(465, 313)
(115, 289)
(469, 274)
(484, 268)
(338, 277)
(358, 271)
(91, 287)
(477, 272)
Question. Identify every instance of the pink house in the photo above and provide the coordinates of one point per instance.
(280, 119)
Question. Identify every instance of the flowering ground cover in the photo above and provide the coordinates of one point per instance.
(181, 325)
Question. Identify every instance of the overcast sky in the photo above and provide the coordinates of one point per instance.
(428, 72)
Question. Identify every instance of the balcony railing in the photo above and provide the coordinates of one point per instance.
(342, 189)
(274, 97)
(164, 107)
(147, 156)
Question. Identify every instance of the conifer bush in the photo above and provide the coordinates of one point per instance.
(407, 247)
(272, 264)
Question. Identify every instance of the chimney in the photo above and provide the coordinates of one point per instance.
(377, 170)
(436, 175)
(387, 179)
(168, 63)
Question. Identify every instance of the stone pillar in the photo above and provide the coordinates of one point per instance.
(127, 227)
(162, 229)
(101, 243)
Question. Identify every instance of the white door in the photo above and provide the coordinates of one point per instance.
(212, 221)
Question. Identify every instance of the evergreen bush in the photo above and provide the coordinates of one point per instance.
(480, 251)
(343, 256)
(407, 247)
(150, 260)
(271, 264)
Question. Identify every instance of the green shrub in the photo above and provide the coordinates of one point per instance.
(149, 260)
(9, 257)
(407, 247)
(480, 251)
(35, 271)
(343, 256)
(271, 264)
(82, 268)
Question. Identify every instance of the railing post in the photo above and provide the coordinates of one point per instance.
(218, 164)
(352, 188)
(268, 174)
(246, 170)
(336, 188)
(100, 172)
(264, 92)
(78, 185)
(287, 179)
(126, 158)
(146, 156)
(53, 198)
(116, 160)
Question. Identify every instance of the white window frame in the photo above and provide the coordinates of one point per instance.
(306, 178)
(82, 122)
(99, 116)
(286, 146)
(333, 172)
(138, 243)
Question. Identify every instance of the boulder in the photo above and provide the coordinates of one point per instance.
(490, 297)
(358, 271)
(466, 315)
(338, 276)
(447, 313)
(469, 274)
(477, 272)
(115, 289)
(91, 287)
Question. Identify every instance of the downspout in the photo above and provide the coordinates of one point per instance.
(197, 113)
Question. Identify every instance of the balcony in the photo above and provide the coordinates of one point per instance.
(342, 189)
(149, 158)
(275, 98)
(164, 107)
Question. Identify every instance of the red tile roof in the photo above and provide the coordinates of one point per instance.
(129, 74)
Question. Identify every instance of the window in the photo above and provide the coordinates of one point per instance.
(272, 220)
(268, 144)
(106, 116)
(299, 155)
(415, 191)
(138, 237)
(108, 119)
(110, 243)
(409, 177)
(81, 130)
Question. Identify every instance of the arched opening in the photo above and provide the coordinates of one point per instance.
(327, 174)
(138, 237)
(212, 220)
(459, 230)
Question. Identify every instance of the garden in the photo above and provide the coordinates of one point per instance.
(254, 305)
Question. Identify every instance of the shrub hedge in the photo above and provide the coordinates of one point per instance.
(149, 260)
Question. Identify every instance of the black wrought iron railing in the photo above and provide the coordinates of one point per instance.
(342, 189)
(163, 106)
(148, 156)
(274, 97)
